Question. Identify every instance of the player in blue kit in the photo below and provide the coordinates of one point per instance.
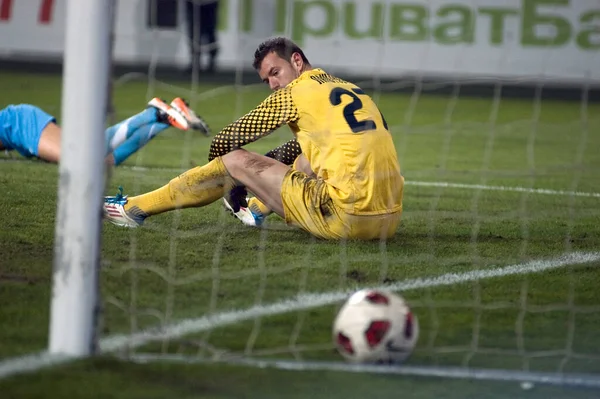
(32, 132)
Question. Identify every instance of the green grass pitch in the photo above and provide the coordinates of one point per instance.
(194, 262)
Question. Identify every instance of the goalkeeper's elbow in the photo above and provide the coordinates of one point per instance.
(219, 146)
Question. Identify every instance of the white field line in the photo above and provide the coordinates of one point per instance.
(515, 189)
(502, 188)
(300, 302)
(529, 377)
(441, 184)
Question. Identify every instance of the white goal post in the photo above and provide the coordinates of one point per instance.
(77, 240)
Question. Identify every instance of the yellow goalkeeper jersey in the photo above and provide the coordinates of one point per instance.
(341, 132)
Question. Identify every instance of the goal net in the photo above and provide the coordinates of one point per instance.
(492, 116)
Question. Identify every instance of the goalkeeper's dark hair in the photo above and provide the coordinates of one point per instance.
(281, 46)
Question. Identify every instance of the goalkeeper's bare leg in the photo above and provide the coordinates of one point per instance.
(253, 211)
(260, 174)
(203, 185)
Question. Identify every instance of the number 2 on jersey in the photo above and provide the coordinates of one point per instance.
(335, 97)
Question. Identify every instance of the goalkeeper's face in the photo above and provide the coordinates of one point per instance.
(278, 72)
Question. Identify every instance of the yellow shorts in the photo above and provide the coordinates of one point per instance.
(307, 204)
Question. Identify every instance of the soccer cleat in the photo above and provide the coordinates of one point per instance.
(194, 121)
(245, 215)
(169, 114)
(115, 213)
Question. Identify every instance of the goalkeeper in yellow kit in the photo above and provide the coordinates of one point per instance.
(345, 181)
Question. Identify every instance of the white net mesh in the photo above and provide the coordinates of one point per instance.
(499, 240)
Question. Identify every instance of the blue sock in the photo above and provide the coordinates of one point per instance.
(119, 133)
(139, 138)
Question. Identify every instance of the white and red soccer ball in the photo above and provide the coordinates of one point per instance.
(375, 327)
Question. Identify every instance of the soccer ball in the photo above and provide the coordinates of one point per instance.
(375, 327)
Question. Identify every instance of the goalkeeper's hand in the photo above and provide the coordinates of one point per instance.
(237, 198)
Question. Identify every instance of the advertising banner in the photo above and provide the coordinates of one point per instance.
(530, 40)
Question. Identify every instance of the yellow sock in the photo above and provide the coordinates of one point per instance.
(258, 208)
(199, 186)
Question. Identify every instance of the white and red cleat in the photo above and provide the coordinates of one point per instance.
(114, 211)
